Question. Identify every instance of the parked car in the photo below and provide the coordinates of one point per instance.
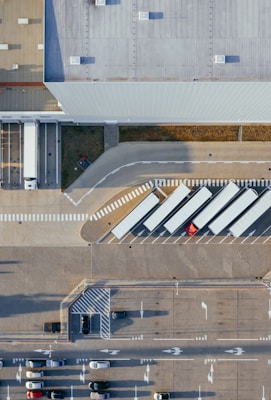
(161, 396)
(52, 327)
(118, 314)
(35, 363)
(100, 385)
(55, 394)
(99, 396)
(34, 385)
(34, 374)
(30, 394)
(99, 364)
(85, 322)
(54, 363)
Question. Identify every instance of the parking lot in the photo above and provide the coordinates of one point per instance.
(224, 348)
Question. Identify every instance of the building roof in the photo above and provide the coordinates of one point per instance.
(164, 102)
(21, 57)
(179, 40)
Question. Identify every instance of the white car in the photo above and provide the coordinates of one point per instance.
(99, 364)
(34, 374)
(34, 385)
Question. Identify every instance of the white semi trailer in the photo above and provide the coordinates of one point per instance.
(251, 216)
(167, 207)
(31, 142)
(136, 215)
(188, 209)
(233, 211)
(213, 208)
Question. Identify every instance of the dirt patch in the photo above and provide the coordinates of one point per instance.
(178, 133)
(259, 133)
(77, 142)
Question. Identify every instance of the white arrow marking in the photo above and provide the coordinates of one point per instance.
(135, 398)
(71, 393)
(175, 351)
(112, 352)
(8, 396)
(237, 351)
(199, 398)
(177, 286)
(204, 307)
(263, 398)
(141, 310)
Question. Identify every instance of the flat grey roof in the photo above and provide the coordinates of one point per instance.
(177, 43)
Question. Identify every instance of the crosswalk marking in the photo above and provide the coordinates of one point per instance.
(43, 217)
(95, 301)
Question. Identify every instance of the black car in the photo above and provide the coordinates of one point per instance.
(55, 394)
(100, 385)
(118, 314)
(85, 321)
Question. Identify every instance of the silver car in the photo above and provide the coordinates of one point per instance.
(34, 385)
(34, 374)
(99, 364)
(54, 363)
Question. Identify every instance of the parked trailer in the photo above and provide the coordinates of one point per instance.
(31, 132)
(233, 211)
(213, 208)
(135, 215)
(196, 201)
(251, 216)
(166, 207)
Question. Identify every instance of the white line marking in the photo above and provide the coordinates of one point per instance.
(237, 359)
(236, 339)
(173, 359)
(173, 339)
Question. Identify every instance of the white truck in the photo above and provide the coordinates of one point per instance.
(213, 208)
(135, 216)
(31, 142)
(233, 211)
(188, 209)
(251, 216)
(167, 207)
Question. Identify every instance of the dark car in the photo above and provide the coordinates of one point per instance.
(55, 363)
(85, 321)
(161, 396)
(55, 394)
(100, 385)
(35, 363)
(118, 314)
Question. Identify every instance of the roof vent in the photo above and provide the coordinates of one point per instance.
(75, 60)
(220, 59)
(144, 15)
